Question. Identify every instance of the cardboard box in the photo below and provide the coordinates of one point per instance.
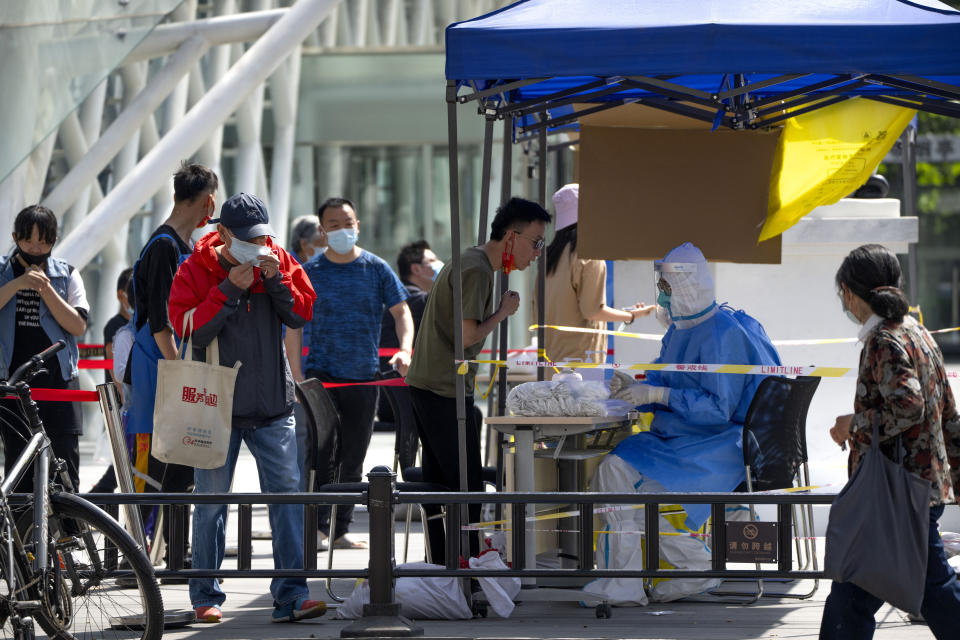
(650, 181)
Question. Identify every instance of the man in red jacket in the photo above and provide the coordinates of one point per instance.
(244, 287)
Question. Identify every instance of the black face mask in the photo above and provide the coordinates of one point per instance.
(32, 260)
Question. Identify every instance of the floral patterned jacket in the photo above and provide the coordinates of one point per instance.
(902, 381)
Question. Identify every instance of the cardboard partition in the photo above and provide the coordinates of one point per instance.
(644, 191)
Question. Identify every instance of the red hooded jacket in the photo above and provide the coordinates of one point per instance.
(247, 323)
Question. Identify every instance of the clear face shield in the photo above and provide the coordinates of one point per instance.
(663, 275)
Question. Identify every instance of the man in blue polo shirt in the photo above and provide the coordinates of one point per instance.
(353, 286)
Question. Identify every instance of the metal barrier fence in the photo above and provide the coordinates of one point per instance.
(382, 481)
(382, 494)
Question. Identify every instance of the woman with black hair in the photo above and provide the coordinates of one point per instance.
(576, 291)
(42, 300)
(903, 385)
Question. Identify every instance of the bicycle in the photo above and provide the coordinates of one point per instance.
(65, 562)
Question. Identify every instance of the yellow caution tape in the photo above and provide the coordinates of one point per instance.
(493, 381)
(740, 369)
(777, 343)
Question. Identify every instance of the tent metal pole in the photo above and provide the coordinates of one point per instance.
(504, 279)
(500, 88)
(812, 97)
(810, 88)
(535, 104)
(909, 168)
(939, 107)
(485, 175)
(506, 174)
(541, 261)
(946, 91)
(545, 123)
(756, 86)
(786, 116)
(581, 97)
(452, 150)
(931, 83)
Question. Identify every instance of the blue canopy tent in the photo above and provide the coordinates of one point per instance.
(734, 63)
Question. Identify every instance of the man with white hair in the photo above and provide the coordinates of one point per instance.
(694, 441)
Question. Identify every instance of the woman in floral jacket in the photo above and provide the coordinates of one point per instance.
(903, 384)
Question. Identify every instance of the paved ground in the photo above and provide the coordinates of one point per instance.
(248, 607)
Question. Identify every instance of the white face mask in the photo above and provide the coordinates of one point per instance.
(852, 318)
(663, 317)
(244, 252)
(437, 266)
(342, 240)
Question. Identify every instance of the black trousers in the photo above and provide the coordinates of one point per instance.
(357, 407)
(440, 451)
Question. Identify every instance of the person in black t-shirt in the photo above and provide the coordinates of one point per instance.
(108, 481)
(42, 300)
(417, 266)
(121, 318)
(194, 202)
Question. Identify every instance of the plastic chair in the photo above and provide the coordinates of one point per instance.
(406, 452)
(323, 424)
(775, 456)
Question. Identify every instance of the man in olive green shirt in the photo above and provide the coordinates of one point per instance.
(516, 240)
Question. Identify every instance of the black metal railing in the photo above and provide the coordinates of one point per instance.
(381, 495)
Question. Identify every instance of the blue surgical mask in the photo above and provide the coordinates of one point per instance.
(663, 299)
(244, 252)
(342, 240)
(849, 313)
(437, 266)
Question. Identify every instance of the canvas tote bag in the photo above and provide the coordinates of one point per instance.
(878, 529)
(193, 412)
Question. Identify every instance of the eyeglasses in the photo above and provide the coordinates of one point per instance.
(538, 244)
(664, 286)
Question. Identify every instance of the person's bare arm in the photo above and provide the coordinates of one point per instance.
(609, 314)
(293, 343)
(474, 331)
(403, 322)
(65, 315)
(166, 343)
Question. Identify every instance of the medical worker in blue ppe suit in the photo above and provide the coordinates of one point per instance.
(694, 442)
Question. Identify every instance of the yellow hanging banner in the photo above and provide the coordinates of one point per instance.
(827, 154)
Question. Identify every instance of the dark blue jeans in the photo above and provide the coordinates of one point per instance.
(849, 610)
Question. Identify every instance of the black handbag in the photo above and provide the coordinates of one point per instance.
(877, 536)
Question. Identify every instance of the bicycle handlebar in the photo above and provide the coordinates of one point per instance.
(29, 369)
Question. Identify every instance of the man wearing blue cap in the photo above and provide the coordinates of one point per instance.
(244, 287)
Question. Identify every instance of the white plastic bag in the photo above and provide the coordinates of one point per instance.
(434, 598)
(951, 543)
(193, 412)
(500, 592)
(564, 398)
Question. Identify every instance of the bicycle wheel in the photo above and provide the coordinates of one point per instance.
(84, 598)
(7, 614)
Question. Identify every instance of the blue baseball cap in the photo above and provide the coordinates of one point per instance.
(245, 216)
